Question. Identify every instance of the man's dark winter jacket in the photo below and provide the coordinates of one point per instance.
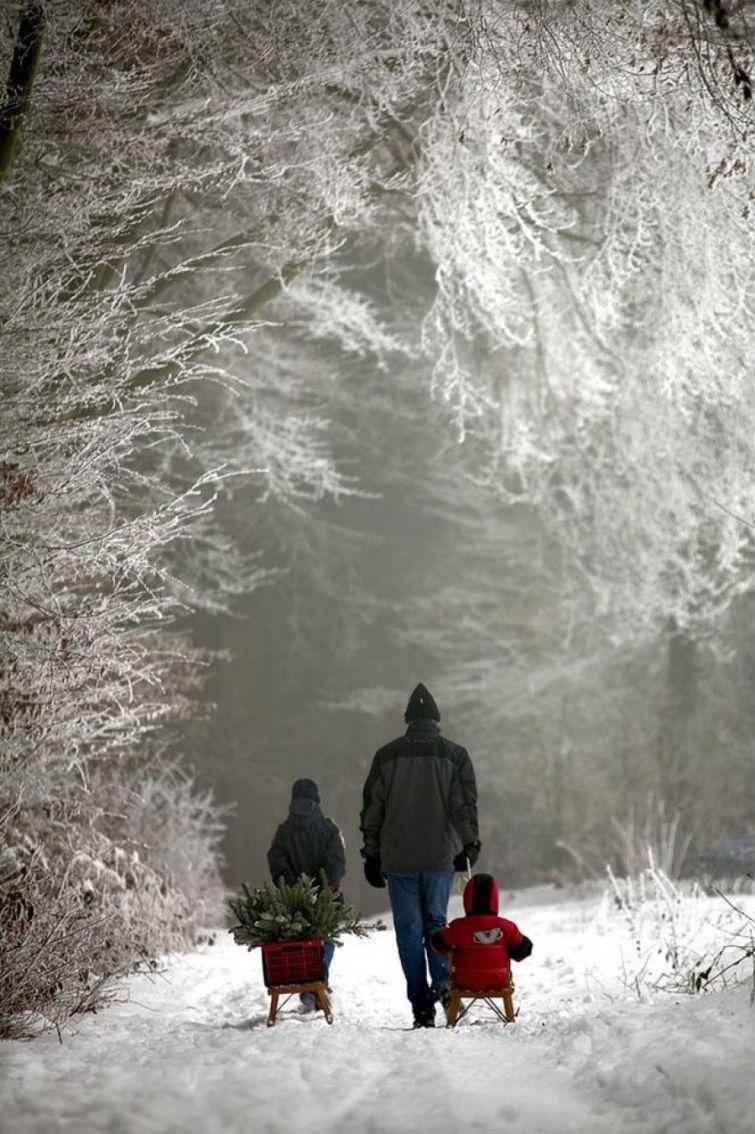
(420, 802)
(306, 843)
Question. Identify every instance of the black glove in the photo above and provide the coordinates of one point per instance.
(521, 951)
(373, 872)
(466, 858)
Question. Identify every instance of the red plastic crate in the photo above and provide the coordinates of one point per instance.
(293, 962)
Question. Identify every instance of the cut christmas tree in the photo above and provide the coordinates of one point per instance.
(306, 910)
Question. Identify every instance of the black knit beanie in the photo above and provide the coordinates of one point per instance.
(421, 706)
(305, 789)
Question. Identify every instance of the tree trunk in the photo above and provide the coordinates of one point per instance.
(678, 709)
(20, 80)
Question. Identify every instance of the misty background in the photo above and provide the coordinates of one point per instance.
(583, 741)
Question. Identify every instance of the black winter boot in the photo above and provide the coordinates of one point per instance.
(424, 1012)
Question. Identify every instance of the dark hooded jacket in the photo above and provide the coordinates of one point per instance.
(420, 802)
(482, 944)
(306, 843)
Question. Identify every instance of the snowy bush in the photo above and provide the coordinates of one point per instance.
(679, 940)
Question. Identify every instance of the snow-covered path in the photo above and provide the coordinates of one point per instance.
(189, 1051)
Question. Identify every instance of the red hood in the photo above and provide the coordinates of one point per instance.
(481, 895)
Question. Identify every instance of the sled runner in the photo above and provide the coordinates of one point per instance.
(318, 988)
(456, 1012)
(294, 967)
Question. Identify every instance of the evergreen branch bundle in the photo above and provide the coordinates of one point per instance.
(306, 909)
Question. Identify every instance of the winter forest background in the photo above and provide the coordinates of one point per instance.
(346, 345)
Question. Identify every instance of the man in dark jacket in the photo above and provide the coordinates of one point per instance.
(306, 843)
(419, 822)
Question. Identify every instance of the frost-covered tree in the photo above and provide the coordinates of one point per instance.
(107, 855)
(586, 196)
(173, 177)
(575, 178)
(113, 159)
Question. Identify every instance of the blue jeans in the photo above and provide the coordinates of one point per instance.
(330, 949)
(419, 903)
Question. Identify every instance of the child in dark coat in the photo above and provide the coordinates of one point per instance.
(481, 943)
(306, 843)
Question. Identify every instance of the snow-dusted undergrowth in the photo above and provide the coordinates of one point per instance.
(678, 939)
(189, 1050)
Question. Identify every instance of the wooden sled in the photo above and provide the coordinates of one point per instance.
(317, 987)
(293, 967)
(456, 1012)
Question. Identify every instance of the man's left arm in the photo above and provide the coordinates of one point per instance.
(463, 808)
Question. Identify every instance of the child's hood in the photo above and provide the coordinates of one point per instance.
(481, 895)
(304, 811)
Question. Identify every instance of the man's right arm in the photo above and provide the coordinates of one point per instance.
(373, 810)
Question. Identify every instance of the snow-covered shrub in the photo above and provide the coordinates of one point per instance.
(177, 828)
(678, 938)
(70, 923)
(92, 885)
(731, 958)
(56, 946)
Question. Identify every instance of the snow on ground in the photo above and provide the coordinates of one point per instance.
(188, 1051)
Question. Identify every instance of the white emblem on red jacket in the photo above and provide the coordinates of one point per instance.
(487, 936)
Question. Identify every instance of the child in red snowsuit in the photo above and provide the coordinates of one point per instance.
(482, 944)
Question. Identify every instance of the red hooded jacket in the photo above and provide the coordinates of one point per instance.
(482, 944)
